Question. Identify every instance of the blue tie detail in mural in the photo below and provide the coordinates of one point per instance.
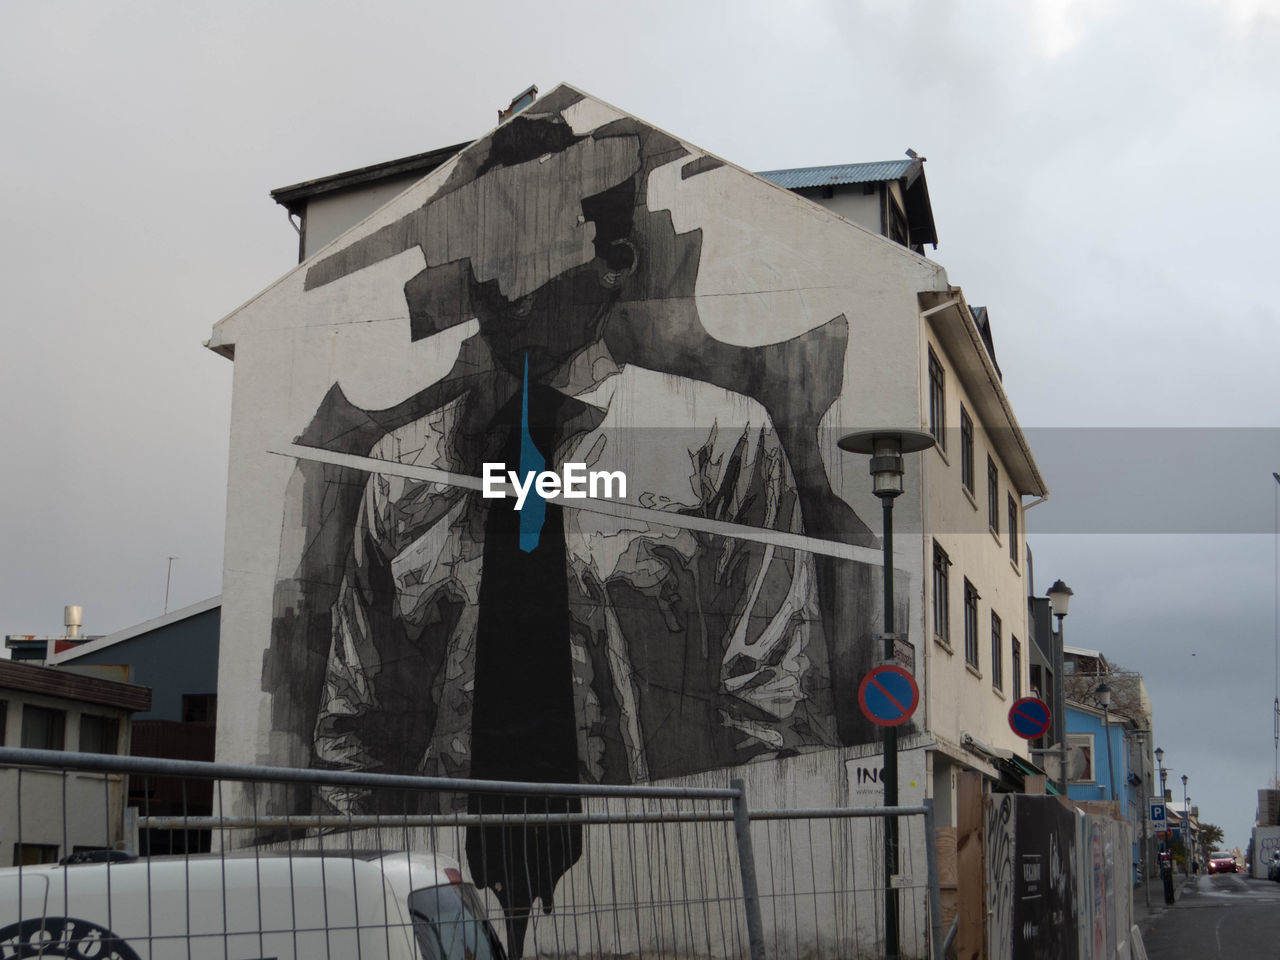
(531, 462)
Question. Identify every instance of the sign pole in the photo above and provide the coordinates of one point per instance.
(890, 756)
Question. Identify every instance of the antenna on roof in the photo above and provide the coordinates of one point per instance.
(915, 156)
(167, 577)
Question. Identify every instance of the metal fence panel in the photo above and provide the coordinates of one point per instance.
(665, 872)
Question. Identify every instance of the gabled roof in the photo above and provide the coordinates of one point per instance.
(878, 171)
(137, 630)
(909, 173)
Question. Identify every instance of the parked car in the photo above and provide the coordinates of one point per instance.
(400, 906)
(1273, 866)
(1222, 863)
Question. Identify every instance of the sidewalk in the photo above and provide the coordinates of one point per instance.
(1144, 917)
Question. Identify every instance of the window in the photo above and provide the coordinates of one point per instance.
(1015, 666)
(941, 595)
(937, 401)
(993, 496)
(99, 734)
(43, 728)
(1080, 757)
(899, 231)
(1013, 530)
(30, 854)
(997, 652)
(970, 625)
(4, 710)
(966, 449)
(199, 707)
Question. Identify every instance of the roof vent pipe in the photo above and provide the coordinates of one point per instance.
(73, 620)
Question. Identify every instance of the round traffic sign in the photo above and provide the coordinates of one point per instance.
(1029, 717)
(888, 695)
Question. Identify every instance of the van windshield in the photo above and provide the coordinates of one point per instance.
(449, 924)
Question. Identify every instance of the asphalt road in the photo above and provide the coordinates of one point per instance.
(1227, 915)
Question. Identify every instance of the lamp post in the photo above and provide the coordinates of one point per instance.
(1164, 792)
(1144, 861)
(886, 448)
(1103, 693)
(1186, 827)
(1059, 599)
(1192, 834)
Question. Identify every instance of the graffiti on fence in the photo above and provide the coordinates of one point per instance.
(1001, 880)
(1044, 898)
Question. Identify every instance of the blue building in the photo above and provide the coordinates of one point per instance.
(1096, 775)
(176, 655)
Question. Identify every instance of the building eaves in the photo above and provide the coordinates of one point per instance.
(953, 323)
(72, 686)
(294, 196)
(1069, 650)
(797, 178)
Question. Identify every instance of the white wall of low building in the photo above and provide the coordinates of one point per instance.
(52, 808)
(330, 215)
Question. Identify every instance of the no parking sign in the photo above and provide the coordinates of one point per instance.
(1029, 717)
(888, 695)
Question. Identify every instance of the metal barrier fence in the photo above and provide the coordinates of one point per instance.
(566, 870)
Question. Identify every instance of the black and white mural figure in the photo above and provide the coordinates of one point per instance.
(420, 628)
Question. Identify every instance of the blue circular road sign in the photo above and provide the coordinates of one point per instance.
(1029, 717)
(888, 695)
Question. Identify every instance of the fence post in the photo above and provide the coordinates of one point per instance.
(747, 865)
(935, 892)
(130, 838)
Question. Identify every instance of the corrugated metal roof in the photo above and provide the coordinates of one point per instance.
(840, 173)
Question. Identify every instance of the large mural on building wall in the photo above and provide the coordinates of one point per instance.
(698, 623)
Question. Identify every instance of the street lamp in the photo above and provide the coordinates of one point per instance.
(886, 448)
(1186, 826)
(1059, 599)
(1103, 693)
(1191, 834)
(1164, 791)
(1144, 857)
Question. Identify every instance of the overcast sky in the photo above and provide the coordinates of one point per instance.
(1101, 176)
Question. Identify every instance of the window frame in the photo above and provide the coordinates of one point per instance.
(937, 400)
(941, 595)
(966, 450)
(971, 598)
(1083, 742)
(199, 707)
(993, 496)
(58, 728)
(997, 651)
(1013, 530)
(110, 733)
(1015, 665)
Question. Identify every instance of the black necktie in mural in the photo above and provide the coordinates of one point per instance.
(523, 725)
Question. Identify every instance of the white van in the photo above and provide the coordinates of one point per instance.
(398, 906)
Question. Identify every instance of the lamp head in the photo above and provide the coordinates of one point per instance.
(1103, 693)
(886, 448)
(1159, 755)
(1059, 597)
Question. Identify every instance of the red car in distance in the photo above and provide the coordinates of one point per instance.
(1222, 863)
